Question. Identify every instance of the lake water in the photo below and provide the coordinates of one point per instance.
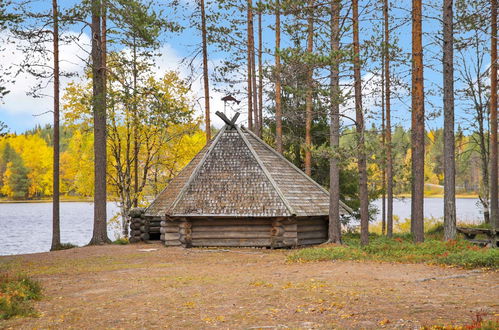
(468, 210)
(27, 227)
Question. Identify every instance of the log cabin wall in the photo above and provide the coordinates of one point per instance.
(143, 228)
(312, 230)
(244, 232)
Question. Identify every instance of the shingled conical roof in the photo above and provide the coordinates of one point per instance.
(239, 175)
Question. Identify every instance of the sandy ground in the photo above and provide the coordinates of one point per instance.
(124, 287)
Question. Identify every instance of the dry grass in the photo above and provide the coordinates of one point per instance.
(119, 286)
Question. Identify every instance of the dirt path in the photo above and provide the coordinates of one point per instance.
(122, 287)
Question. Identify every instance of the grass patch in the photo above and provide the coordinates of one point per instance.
(65, 246)
(121, 241)
(17, 294)
(401, 249)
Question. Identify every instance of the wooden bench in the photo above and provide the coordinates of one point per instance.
(471, 233)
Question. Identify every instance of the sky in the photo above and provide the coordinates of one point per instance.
(21, 111)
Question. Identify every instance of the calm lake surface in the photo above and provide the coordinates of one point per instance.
(27, 227)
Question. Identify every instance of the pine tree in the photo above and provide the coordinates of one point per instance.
(335, 99)
(449, 140)
(418, 133)
(359, 119)
(99, 235)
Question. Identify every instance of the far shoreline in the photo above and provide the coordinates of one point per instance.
(90, 199)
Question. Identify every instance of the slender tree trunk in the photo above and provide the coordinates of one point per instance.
(136, 150)
(278, 110)
(389, 160)
(310, 89)
(383, 146)
(334, 134)
(99, 235)
(260, 74)
(205, 74)
(418, 133)
(56, 230)
(494, 207)
(449, 140)
(359, 118)
(250, 65)
(253, 77)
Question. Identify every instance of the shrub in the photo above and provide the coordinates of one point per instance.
(65, 246)
(16, 294)
(121, 241)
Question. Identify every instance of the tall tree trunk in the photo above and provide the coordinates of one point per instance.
(250, 65)
(494, 207)
(136, 148)
(334, 133)
(278, 110)
(389, 160)
(383, 146)
(99, 235)
(418, 133)
(56, 230)
(359, 118)
(310, 89)
(449, 141)
(205, 74)
(260, 73)
(253, 77)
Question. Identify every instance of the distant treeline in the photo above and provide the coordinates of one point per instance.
(26, 162)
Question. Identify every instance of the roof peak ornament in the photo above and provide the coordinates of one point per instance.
(231, 123)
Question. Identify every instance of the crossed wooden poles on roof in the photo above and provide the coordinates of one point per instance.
(230, 122)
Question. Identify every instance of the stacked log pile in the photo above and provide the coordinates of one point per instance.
(143, 229)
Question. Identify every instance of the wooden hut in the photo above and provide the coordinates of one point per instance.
(238, 191)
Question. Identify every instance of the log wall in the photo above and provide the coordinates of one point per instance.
(244, 232)
(142, 228)
(312, 230)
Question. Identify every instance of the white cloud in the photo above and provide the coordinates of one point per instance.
(170, 60)
(17, 102)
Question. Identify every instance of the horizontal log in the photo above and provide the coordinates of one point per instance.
(231, 242)
(311, 241)
(290, 234)
(312, 234)
(230, 222)
(277, 231)
(134, 240)
(154, 228)
(162, 237)
(135, 233)
(135, 226)
(311, 221)
(165, 223)
(172, 243)
(144, 236)
(185, 231)
(231, 234)
(136, 212)
(163, 230)
(291, 227)
(240, 228)
(306, 228)
(144, 228)
(171, 236)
